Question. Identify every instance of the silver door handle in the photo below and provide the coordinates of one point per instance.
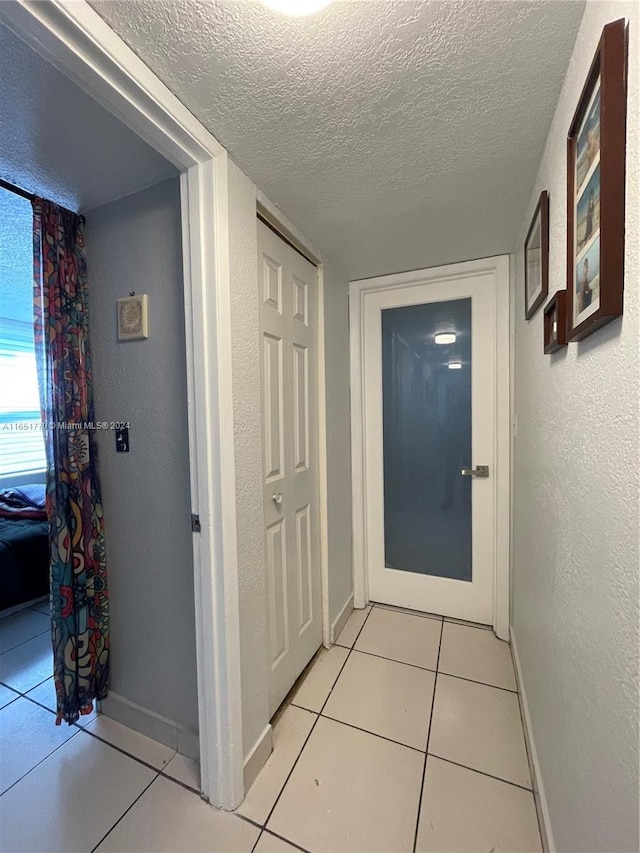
(277, 498)
(481, 471)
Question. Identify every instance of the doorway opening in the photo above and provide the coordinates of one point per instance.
(431, 440)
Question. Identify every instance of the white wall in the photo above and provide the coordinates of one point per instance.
(135, 244)
(248, 460)
(575, 572)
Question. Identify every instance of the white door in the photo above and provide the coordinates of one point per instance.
(428, 415)
(288, 298)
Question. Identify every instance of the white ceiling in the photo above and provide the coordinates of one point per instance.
(58, 142)
(395, 134)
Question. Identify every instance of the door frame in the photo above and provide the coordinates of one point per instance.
(498, 267)
(75, 40)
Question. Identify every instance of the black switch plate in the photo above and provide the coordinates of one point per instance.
(122, 440)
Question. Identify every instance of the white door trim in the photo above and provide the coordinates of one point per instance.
(358, 290)
(74, 38)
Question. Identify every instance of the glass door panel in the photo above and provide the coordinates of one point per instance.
(426, 396)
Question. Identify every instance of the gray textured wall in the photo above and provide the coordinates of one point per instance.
(247, 415)
(575, 572)
(338, 409)
(135, 244)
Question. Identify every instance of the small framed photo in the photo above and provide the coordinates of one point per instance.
(133, 318)
(596, 189)
(555, 322)
(536, 258)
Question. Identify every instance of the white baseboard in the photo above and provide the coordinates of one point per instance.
(258, 755)
(542, 808)
(338, 624)
(151, 724)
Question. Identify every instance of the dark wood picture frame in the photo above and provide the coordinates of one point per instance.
(555, 322)
(593, 302)
(539, 220)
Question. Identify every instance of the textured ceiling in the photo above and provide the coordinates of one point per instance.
(58, 142)
(394, 134)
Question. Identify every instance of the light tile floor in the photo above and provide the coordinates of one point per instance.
(406, 735)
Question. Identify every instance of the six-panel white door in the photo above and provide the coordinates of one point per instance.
(288, 299)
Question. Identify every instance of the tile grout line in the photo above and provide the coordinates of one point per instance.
(42, 760)
(125, 812)
(426, 749)
(406, 611)
(119, 749)
(315, 723)
(39, 684)
(271, 832)
(173, 779)
(373, 734)
(130, 755)
(482, 773)
(85, 728)
(24, 642)
(427, 669)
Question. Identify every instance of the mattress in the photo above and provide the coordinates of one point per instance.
(24, 560)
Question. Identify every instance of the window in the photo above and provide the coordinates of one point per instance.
(22, 451)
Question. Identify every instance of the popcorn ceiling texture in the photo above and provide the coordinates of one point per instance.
(575, 573)
(397, 135)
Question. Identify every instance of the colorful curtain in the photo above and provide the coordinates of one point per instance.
(79, 595)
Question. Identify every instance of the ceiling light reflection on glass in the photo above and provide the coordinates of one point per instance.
(445, 338)
(455, 365)
(296, 8)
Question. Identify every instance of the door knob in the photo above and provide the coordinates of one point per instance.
(480, 471)
(277, 498)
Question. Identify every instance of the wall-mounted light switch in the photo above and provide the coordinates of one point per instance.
(122, 440)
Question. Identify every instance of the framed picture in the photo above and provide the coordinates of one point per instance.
(555, 322)
(595, 190)
(133, 321)
(536, 258)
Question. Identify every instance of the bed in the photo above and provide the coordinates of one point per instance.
(24, 546)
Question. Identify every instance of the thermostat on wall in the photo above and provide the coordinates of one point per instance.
(133, 318)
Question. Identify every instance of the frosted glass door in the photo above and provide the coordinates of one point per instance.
(426, 395)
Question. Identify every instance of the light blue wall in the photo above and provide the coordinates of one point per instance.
(135, 244)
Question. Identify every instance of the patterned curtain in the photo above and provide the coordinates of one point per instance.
(79, 595)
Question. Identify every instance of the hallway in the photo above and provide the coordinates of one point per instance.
(348, 768)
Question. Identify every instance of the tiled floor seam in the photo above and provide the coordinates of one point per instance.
(108, 743)
(374, 734)
(426, 751)
(134, 757)
(481, 772)
(4, 684)
(125, 812)
(406, 611)
(42, 760)
(426, 669)
(315, 723)
(28, 640)
(275, 834)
